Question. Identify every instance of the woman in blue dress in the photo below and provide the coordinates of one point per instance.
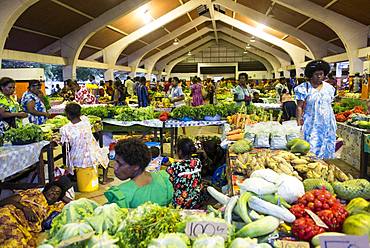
(33, 104)
(314, 110)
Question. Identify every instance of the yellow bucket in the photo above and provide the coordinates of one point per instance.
(87, 179)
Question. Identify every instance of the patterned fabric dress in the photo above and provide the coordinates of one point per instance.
(319, 126)
(187, 183)
(39, 106)
(82, 148)
(9, 105)
(196, 90)
(15, 230)
(83, 96)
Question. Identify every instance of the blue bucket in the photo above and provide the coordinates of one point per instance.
(212, 118)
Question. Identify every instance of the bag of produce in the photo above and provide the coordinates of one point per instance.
(262, 140)
(250, 136)
(278, 141)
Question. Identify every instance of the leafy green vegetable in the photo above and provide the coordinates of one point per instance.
(135, 114)
(47, 102)
(241, 146)
(107, 218)
(209, 242)
(59, 121)
(73, 212)
(170, 240)
(145, 223)
(70, 230)
(98, 111)
(27, 134)
(102, 241)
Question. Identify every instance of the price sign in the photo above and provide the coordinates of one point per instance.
(291, 244)
(347, 241)
(194, 229)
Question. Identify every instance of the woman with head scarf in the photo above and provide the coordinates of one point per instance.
(314, 110)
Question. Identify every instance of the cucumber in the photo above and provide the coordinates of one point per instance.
(243, 207)
(315, 241)
(221, 198)
(259, 228)
(229, 209)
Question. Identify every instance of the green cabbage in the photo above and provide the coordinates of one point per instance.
(241, 146)
(73, 212)
(209, 242)
(170, 240)
(107, 218)
(102, 241)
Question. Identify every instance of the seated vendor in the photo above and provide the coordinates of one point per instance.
(256, 98)
(22, 215)
(132, 157)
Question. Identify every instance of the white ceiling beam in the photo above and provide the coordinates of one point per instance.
(315, 45)
(296, 53)
(112, 52)
(352, 33)
(151, 61)
(135, 58)
(162, 63)
(283, 57)
(270, 58)
(169, 66)
(212, 14)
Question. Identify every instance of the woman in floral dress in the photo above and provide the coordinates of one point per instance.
(33, 104)
(196, 93)
(83, 150)
(314, 110)
(185, 176)
(10, 114)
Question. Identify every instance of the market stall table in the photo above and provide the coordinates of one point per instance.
(268, 105)
(353, 152)
(59, 109)
(16, 159)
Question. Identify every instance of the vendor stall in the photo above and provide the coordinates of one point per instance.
(353, 152)
(19, 158)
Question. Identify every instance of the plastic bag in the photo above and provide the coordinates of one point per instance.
(250, 136)
(262, 140)
(278, 141)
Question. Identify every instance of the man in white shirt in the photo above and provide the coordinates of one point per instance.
(177, 96)
(130, 86)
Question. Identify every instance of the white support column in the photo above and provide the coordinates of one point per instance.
(353, 34)
(109, 75)
(69, 72)
(151, 61)
(296, 53)
(10, 11)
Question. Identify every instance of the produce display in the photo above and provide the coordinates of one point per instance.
(198, 113)
(138, 114)
(26, 134)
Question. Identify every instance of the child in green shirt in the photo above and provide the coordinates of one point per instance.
(132, 157)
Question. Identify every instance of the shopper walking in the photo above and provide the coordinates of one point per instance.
(142, 93)
(314, 110)
(33, 103)
(196, 92)
(177, 96)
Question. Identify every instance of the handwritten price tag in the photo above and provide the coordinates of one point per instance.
(291, 244)
(347, 241)
(194, 229)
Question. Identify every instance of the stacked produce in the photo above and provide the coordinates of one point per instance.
(58, 121)
(198, 113)
(302, 167)
(131, 114)
(348, 114)
(26, 134)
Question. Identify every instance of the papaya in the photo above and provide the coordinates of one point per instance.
(358, 224)
(300, 146)
(292, 143)
(357, 205)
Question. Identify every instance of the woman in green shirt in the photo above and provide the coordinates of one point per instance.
(10, 115)
(132, 157)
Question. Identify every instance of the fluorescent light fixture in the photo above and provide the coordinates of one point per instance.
(253, 39)
(176, 42)
(189, 53)
(245, 52)
(261, 26)
(248, 46)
